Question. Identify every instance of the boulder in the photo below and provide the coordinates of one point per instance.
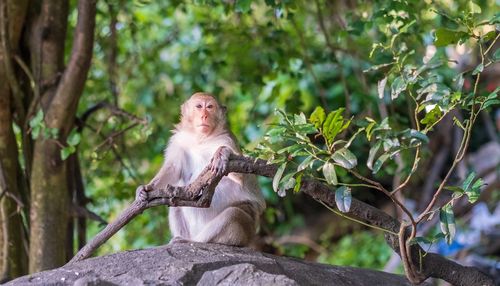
(205, 264)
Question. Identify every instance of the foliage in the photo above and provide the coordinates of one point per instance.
(358, 78)
(362, 249)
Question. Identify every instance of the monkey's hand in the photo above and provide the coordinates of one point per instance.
(218, 164)
(141, 193)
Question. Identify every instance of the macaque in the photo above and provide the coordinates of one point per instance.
(233, 215)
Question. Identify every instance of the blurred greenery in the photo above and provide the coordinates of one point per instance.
(256, 56)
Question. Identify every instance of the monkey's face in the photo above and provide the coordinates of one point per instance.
(204, 112)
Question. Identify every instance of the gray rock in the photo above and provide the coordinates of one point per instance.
(204, 264)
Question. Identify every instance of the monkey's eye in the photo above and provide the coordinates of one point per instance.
(198, 106)
(210, 106)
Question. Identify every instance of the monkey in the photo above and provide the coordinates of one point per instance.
(203, 134)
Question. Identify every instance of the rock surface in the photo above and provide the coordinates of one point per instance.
(204, 264)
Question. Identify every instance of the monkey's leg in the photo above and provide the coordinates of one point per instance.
(178, 226)
(233, 226)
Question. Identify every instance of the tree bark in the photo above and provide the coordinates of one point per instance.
(49, 182)
(13, 259)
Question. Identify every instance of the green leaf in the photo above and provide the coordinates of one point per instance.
(398, 86)
(474, 8)
(343, 199)
(496, 55)
(278, 175)
(334, 124)
(306, 128)
(490, 103)
(455, 189)
(369, 128)
(308, 161)
(468, 181)
(37, 119)
(432, 116)
(459, 81)
(446, 37)
(495, 19)
(479, 68)
(299, 119)
(412, 133)
(380, 161)
(35, 131)
(475, 191)
(372, 153)
(74, 138)
(290, 149)
(345, 158)
(447, 219)
(288, 181)
(242, 6)
(298, 182)
(329, 173)
(67, 151)
(318, 117)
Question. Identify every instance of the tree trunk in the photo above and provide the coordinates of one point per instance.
(49, 177)
(13, 260)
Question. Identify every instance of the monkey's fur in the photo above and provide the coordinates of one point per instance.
(233, 215)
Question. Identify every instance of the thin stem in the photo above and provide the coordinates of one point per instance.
(356, 220)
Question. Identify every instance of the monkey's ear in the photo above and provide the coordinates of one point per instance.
(185, 110)
(223, 109)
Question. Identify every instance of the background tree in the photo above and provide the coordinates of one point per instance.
(40, 96)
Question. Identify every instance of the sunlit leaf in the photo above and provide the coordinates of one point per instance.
(447, 222)
(380, 161)
(372, 153)
(278, 175)
(299, 118)
(345, 158)
(398, 86)
(474, 8)
(329, 173)
(318, 117)
(468, 181)
(334, 124)
(381, 87)
(432, 116)
(343, 199)
(307, 162)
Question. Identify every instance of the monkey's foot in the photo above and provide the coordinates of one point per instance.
(178, 239)
(141, 194)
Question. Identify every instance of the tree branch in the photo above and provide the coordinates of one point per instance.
(199, 194)
(72, 81)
